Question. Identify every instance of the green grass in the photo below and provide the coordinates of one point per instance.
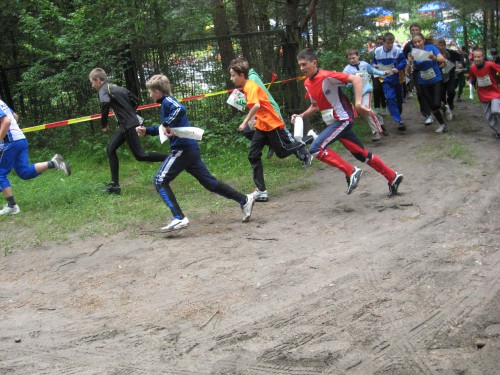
(447, 146)
(60, 208)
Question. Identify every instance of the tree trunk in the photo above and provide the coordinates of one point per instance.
(221, 29)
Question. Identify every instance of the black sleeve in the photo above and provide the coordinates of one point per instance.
(105, 100)
(134, 100)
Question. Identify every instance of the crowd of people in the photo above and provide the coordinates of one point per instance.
(432, 70)
(423, 65)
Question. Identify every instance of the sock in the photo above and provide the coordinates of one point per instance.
(381, 168)
(330, 157)
(11, 202)
(51, 164)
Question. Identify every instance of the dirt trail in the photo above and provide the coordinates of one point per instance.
(317, 283)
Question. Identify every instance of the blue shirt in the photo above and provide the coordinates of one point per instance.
(173, 115)
(394, 57)
(428, 70)
(364, 70)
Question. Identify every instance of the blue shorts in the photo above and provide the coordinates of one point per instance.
(15, 155)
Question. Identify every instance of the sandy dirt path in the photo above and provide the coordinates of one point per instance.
(318, 282)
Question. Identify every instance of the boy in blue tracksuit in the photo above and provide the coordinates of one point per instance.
(390, 58)
(365, 71)
(184, 156)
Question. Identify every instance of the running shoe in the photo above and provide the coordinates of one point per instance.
(260, 196)
(307, 160)
(447, 113)
(60, 164)
(428, 120)
(401, 126)
(442, 129)
(176, 224)
(10, 210)
(247, 208)
(113, 188)
(353, 180)
(393, 187)
(376, 137)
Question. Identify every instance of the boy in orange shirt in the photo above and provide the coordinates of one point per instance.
(269, 127)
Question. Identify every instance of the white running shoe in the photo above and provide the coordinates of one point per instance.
(260, 196)
(10, 210)
(447, 113)
(176, 224)
(312, 133)
(353, 180)
(428, 120)
(60, 164)
(247, 207)
(442, 129)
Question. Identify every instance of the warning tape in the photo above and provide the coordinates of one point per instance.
(140, 108)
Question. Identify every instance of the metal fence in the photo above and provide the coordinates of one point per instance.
(194, 67)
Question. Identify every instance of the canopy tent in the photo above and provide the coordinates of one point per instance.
(376, 12)
(432, 7)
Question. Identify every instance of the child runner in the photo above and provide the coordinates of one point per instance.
(269, 127)
(184, 156)
(324, 90)
(484, 74)
(390, 57)
(425, 110)
(262, 196)
(14, 154)
(365, 71)
(123, 103)
(429, 76)
(448, 70)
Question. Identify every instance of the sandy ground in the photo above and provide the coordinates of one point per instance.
(318, 282)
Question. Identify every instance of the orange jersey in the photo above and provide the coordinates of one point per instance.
(267, 118)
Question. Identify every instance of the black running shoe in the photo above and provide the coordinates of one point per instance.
(401, 126)
(113, 188)
(393, 188)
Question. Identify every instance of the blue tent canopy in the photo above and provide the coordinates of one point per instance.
(376, 12)
(432, 6)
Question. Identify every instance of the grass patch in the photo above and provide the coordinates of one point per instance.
(58, 208)
(447, 146)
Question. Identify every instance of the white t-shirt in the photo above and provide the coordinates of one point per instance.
(14, 133)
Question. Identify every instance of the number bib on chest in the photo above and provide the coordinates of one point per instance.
(484, 81)
(428, 74)
(327, 115)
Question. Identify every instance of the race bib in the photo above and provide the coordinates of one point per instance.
(428, 74)
(385, 67)
(448, 67)
(484, 81)
(327, 115)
